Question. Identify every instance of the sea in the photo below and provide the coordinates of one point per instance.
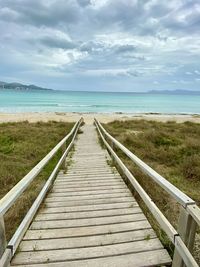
(15, 101)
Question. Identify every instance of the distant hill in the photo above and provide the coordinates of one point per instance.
(19, 86)
(174, 92)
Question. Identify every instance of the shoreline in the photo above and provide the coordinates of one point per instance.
(103, 117)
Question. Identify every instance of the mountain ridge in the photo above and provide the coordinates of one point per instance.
(20, 86)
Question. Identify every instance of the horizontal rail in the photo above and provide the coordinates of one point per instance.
(13, 244)
(8, 200)
(157, 214)
(15, 240)
(182, 198)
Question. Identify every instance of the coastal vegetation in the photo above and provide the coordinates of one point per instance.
(173, 150)
(22, 146)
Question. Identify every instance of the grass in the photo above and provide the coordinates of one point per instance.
(22, 146)
(173, 150)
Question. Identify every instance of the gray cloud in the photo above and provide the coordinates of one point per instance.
(84, 3)
(39, 13)
(53, 42)
(125, 48)
(112, 38)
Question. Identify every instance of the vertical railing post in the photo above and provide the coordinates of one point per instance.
(64, 146)
(187, 230)
(3, 241)
(113, 147)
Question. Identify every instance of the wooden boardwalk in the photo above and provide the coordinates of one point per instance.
(90, 218)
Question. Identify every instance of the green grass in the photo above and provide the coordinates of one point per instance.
(173, 150)
(22, 146)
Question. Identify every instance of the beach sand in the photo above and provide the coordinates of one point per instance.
(89, 117)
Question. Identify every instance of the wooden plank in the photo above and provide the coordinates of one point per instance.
(37, 257)
(103, 166)
(88, 175)
(86, 178)
(90, 182)
(86, 231)
(38, 225)
(86, 183)
(157, 257)
(86, 241)
(83, 197)
(88, 202)
(83, 178)
(90, 172)
(91, 192)
(87, 188)
(93, 185)
(86, 214)
(46, 210)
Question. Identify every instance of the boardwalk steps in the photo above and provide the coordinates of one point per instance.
(86, 216)
(90, 218)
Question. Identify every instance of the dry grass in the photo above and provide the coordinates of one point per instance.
(173, 150)
(22, 146)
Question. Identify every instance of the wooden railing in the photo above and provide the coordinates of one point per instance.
(8, 250)
(184, 237)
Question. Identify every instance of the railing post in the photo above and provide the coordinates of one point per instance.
(3, 241)
(113, 147)
(187, 230)
(64, 146)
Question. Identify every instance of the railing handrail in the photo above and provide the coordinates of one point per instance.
(177, 240)
(9, 199)
(176, 193)
(180, 197)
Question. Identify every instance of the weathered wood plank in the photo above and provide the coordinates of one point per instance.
(89, 182)
(89, 179)
(88, 202)
(87, 188)
(86, 231)
(37, 257)
(37, 225)
(86, 214)
(86, 241)
(46, 210)
(157, 257)
(89, 175)
(89, 197)
(90, 192)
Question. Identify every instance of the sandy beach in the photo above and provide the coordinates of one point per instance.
(88, 117)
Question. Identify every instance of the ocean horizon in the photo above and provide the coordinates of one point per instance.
(14, 101)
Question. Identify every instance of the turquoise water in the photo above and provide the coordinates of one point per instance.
(62, 101)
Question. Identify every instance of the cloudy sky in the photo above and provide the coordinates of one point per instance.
(107, 45)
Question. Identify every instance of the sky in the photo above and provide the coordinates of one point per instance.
(101, 45)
